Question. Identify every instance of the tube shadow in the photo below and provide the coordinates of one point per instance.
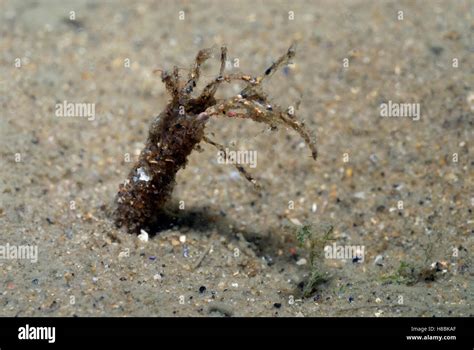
(263, 242)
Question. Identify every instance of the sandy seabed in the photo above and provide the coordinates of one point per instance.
(400, 187)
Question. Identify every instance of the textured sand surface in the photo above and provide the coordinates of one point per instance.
(59, 175)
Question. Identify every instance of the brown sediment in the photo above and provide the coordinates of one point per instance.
(176, 131)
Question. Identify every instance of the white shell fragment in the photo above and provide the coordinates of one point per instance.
(143, 236)
(142, 175)
(296, 222)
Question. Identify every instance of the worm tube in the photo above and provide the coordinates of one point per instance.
(176, 131)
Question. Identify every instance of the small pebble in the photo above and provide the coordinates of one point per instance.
(436, 50)
(269, 260)
(359, 195)
(202, 289)
(378, 260)
(182, 238)
(277, 305)
(470, 100)
(373, 158)
(301, 261)
(186, 251)
(349, 172)
(69, 233)
(158, 277)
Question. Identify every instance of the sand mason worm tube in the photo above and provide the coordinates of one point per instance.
(180, 127)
